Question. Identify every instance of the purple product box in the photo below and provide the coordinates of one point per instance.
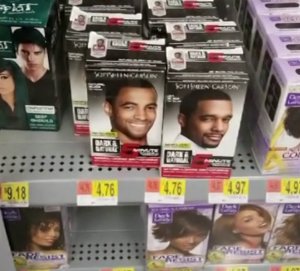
(231, 242)
(284, 245)
(277, 145)
(267, 25)
(265, 7)
(166, 223)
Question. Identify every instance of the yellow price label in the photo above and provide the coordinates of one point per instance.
(105, 188)
(15, 192)
(290, 186)
(290, 268)
(236, 186)
(172, 187)
(237, 268)
(124, 269)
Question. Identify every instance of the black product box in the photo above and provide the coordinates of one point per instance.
(204, 103)
(203, 34)
(37, 237)
(161, 11)
(77, 40)
(32, 62)
(125, 79)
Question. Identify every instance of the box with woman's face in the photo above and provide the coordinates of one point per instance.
(36, 237)
(177, 236)
(240, 233)
(31, 95)
(284, 244)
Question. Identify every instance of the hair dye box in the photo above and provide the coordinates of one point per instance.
(256, 8)
(203, 107)
(125, 80)
(77, 41)
(284, 245)
(161, 11)
(33, 94)
(278, 46)
(276, 145)
(240, 233)
(271, 24)
(37, 237)
(203, 34)
(177, 236)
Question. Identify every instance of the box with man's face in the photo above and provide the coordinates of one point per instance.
(177, 235)
(161, 11)
(267, 25)
(125, 80)
(276, 144)
(204, 103)
(37, 237)
(265, 7)
(77, 40)
(203, 34)
(32, 66)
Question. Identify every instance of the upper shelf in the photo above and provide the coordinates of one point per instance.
(53, 162)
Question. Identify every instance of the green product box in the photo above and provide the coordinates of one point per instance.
(33, 91)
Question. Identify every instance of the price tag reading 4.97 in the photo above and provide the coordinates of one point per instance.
(15, 194)
(236, 187)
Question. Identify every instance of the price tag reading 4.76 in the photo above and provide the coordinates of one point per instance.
(172, 190)
(105, 188)
(15, 194)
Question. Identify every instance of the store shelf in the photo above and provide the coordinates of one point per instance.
(53, 162)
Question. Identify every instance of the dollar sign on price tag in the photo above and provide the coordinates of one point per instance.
(15, 194)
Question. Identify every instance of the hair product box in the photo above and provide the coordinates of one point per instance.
(256, 8)
(177, 236)
(77, 41)
(204, 102)
(276, 146)
(203, 34)
(37, 237)
(125, 80)
(32, 90)
(161, 11)
(284, 245)
(240, 233)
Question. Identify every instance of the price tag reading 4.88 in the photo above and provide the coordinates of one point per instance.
(15, 194)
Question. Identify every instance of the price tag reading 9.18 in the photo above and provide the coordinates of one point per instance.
(15, 194)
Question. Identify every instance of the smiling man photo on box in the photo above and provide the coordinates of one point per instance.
(204, 118)
(131, 106)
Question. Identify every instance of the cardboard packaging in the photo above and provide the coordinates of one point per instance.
(178, 235)
(203, 34)
(32, 60)
(204, 103)
(37, 237)
(125, 81)
(161, 11)
(284, 245)
(77, 41)
(265, 7)
(276, 137)
(235, 239)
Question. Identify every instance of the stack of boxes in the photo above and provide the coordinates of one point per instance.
(271, 30)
